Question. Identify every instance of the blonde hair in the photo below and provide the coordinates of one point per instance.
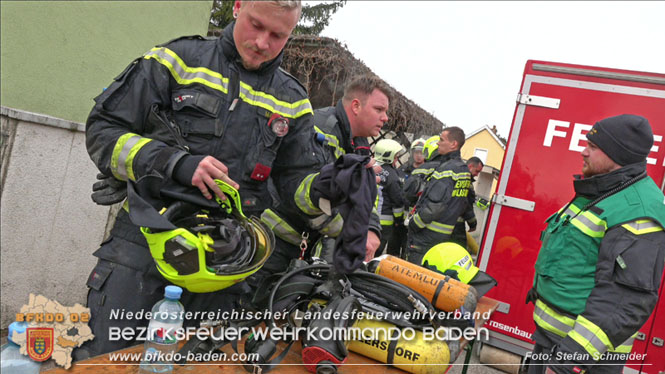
(288, 4)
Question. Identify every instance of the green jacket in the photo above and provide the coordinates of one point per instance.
(603, 247)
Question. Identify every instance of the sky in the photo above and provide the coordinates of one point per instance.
(463, 61)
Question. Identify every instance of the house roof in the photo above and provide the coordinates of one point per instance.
(501, 143)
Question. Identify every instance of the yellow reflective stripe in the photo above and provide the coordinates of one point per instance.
(440, 227)
(318, 248)
(591, 337)
(398, 212)
(418, 221)
(269, 102)
(548, 319)
(592, 217)
(129, 162)
(422, 171)
(587, 222)
(386, 219)
(123, 154)
(332, 142)
(642, 226)
(184, 74)
(449, 173)
(378, 201)
(334, 227)
(281, 229)
(118, 169)
(302, 198)
(626, 346)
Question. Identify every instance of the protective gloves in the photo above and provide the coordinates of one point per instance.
(108, 190)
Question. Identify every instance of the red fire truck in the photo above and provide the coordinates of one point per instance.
(557, 104)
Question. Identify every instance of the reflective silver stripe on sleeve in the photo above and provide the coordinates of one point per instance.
(122, 157)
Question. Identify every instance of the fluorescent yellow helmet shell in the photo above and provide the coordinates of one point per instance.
(431, 146)
(181, 254)
(385, 151)
(451, 256)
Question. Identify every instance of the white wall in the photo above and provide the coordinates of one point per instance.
(49, 224)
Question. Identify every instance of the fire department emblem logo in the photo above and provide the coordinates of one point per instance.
(40, 343)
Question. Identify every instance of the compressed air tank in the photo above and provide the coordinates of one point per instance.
(442, 291)
(405, 349)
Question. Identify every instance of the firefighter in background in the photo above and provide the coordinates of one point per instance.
(414, 185)
(459, 232)
(390, 197)
(417, 158)
(342, 129)
(600, 264)
(444, 199)
(188, 112)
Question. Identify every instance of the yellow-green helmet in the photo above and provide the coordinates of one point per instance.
(451, 256)
(211, 249)
(431, 146)
(385, 151)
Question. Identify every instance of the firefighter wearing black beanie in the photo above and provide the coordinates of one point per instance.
(606, 244)
(626, 139)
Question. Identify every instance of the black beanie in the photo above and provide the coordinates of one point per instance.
(626, 139)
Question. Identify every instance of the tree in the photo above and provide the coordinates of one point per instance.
(496, 132)
(314, 17)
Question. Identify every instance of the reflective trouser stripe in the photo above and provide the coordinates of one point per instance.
(124, 151)
(302, 198)
(591, 337)
(548, 319)
(281, 229)
(642, 226)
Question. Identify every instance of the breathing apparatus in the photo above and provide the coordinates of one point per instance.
(307, 288)
(428, 283)
(323, 355)
(211, 248)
